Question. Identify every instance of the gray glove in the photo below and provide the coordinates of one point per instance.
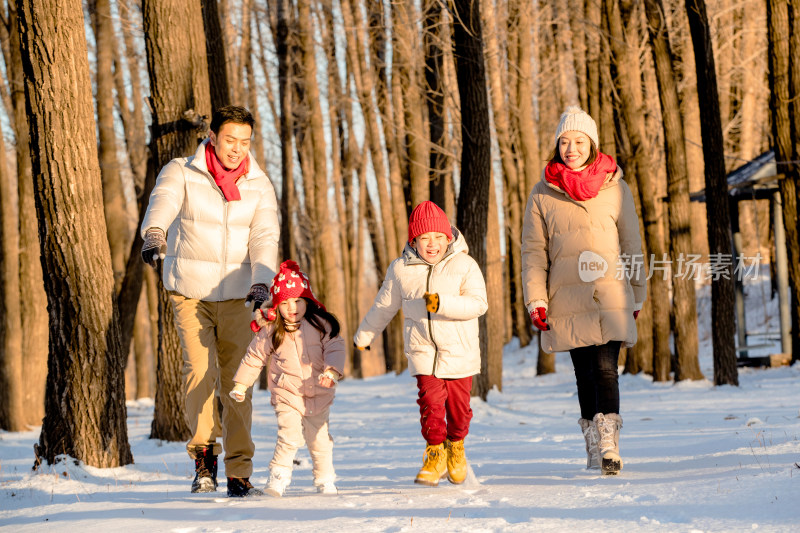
(257, 296)
(154, 247)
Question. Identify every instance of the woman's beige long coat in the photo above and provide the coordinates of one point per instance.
(582, 261)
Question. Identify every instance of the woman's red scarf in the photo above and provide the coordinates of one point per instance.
(583, 184)
(224, 178)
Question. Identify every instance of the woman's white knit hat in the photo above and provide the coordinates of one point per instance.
(576, 119)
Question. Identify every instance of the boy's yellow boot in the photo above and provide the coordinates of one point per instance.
(456, 461)
(434, 466)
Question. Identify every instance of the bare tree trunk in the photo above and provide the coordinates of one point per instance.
(476, 174)
(252, 86)
(567, 77)
(332, 280)
(432, 32)
(393, 127)
(781, 96)
(215, 55)
(578, 26)
(113, 198)
(393, 221)
(794, 75)
(634, 360)
(180, 97)
(629, 86)
(502, 124)
(84, 410)
(594, 53)
(526, 122)
(545, 362)
(723, 323)
(690, 109)
(33, 314)
(684, 301)
(12, 385)
(285, 83)
(492, 364)
(338, 247)
(143, 348)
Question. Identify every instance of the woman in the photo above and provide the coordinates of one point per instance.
(583, 290)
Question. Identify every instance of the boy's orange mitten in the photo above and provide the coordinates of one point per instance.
(431, 302)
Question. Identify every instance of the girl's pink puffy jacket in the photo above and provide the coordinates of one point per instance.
(295, 367)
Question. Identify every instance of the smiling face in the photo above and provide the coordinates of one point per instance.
(292, 309)
(231, 143)
(431, 246)
(574, 148)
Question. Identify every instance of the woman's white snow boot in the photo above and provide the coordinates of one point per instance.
(592, 438)
(608, 427)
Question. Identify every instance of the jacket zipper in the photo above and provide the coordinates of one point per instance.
(430, 326)
(224, 246)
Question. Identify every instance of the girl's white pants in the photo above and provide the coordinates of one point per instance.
(294, 429)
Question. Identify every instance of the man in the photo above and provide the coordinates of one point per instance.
(213, 219)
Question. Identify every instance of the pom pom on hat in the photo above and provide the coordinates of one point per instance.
(427, 217)
(576, 119)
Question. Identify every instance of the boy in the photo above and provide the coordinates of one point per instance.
(442, 293)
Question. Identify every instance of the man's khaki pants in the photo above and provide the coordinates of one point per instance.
(214, 337)
(294, 429)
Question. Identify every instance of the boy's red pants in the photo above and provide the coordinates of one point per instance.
(444, 408)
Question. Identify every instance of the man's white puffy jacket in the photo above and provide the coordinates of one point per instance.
(446, 343)
(215, 249)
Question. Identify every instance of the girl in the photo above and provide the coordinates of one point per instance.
(582, 287)
(299, 341)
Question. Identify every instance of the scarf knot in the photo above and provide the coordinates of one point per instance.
(224, 178)
(583, 184)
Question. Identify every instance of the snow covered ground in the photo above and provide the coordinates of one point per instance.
(697, 458)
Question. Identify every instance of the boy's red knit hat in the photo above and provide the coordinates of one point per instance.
(289, 282)
(427, 217)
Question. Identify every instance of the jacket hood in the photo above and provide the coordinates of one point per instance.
(459, 244)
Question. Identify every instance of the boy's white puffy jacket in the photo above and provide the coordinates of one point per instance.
(216, 250)
(444, 344)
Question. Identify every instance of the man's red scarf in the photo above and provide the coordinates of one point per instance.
(581, 184)
(224, 178)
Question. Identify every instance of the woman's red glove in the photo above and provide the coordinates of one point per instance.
(539, 319)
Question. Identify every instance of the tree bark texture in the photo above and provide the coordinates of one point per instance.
(780, 98)
(215, 56)
(684, 305)
(113, 197)
(31, 285)
(85, 415)
(473, 199)
(12, 386)
(794, 74)
(723, 322)
(179, 89)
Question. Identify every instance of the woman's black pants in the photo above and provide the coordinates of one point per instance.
(597, 377)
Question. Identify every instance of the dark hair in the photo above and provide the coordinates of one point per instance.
(231, 113)
(314, 314)
(555, 155)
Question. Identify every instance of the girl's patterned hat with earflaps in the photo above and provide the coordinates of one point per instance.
(290, 282)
